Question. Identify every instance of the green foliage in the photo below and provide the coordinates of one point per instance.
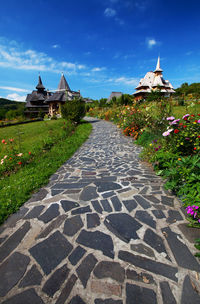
(186, 89)
(17, 188)
(73, 110)
(7, 105)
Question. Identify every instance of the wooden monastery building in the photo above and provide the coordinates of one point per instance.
(153, 81)
(47, 102)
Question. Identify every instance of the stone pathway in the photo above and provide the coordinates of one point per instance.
(103, 231)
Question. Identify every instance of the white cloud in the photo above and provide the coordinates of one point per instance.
(98, 69)
(151, 43)
(16, 97)
(124, 80)
(14, 89)
(16, 58)
(56, 46)
(109, 12)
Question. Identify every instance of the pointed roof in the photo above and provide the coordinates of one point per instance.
(158, 69)
(63, 85)
(40, 85)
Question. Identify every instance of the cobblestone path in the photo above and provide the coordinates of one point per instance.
(103, 231)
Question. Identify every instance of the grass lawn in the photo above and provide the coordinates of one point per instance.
(179, 111)
(17, 188)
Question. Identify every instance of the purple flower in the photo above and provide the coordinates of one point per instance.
(186, 115)
(166, 133)
(175, 122)
(171, 118)
(187, 138)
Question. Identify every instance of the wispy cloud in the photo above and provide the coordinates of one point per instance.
(16, 97)
(98, 69)
(189, 53)
(151, 42)
(16, 58)
(124, 81)
(14, 89)
(55, 46)
(110, 12)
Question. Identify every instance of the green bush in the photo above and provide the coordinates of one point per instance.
(73, 110)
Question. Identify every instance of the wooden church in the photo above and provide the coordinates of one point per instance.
(153, 81)
(46, 102)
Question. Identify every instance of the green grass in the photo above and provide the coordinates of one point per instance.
(179, 111)
(32, 136)
(18, 187)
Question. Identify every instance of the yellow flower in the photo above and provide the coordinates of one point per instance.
(150, 145)
(179, 158)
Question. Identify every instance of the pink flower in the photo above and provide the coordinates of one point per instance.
(185, 116)
(167, 133)
(171, 118)
(175, 122)
(198, 121)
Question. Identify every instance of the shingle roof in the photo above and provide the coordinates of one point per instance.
(40, 85)
(63, 85)
(114, 94)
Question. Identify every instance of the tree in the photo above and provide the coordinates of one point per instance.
(73, 110)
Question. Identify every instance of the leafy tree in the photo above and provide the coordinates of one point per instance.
(73, 110)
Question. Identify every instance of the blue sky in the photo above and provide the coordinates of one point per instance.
(99, 45)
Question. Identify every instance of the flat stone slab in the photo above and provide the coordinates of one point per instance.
(107, 301)
(141, 248)
(189, 295)
(149, 265)
(35, 212)
(116, 203)
(33, 277)
(77, 300)
(155, 241)
(107, 186)
(112, 270)
(139, 294)
(68, 205)
(140, 277)
(183, 256)
(26, 297)
(130, 204)
(13, 241)
(97, 207)
(55, 281)
(50, 252)
(53, 225)
(167, 295)
(67, 290)
(85, 268)
(106, 206)
(143, 203)
(146, 218)
(11, 271)
(93, 220)
(89, 193)
(72, 225)
(98, 241)
(123, 226)
(50, 213)
(76, 255)
(81, 210)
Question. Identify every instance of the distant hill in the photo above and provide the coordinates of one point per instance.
(10, 105)
(7, 103)
(186, 89)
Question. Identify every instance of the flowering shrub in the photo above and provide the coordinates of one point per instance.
(194, 212)
(13, 159)
(183, 135)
